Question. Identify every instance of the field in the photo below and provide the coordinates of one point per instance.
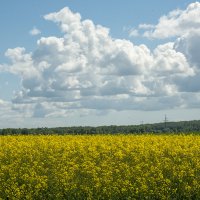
(100, 167)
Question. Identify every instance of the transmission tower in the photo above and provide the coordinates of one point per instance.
(165, 120)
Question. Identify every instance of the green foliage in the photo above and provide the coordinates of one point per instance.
(157, 128)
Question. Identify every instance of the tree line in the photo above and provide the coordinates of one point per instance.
(157, 128)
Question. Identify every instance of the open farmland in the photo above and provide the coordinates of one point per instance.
(100, 167)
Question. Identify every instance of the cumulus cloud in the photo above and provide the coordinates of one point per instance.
(174, 24)
(169, 61)
(10, 110)
(87, 69)
(34, 31)
(189, 45)
(133, 33)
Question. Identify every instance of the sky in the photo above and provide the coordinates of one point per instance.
(77, 63)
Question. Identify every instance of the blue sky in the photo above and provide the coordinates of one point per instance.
(65, 63)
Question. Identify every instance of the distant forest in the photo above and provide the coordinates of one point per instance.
(157, 128)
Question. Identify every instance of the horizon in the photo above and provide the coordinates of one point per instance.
(118, 125)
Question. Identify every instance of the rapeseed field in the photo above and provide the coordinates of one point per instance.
(100, 167)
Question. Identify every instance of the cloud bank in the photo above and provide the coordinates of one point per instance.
(87, 69)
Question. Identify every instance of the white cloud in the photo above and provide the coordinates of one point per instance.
(175, 24)
(88, 69)
(146, 26)
(189, 45)
(34, 31)
(168, 61)
(67, 20)
(133, 33)
(10, 110)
